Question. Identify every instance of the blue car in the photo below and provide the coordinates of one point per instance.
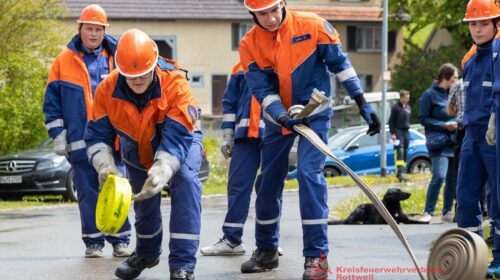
(361, 153)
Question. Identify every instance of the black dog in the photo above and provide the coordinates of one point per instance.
(367, 213)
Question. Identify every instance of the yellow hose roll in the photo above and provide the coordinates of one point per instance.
(113, 204)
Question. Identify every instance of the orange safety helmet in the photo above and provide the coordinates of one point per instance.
(136, 54)
(481, 10)
(259, 5)
(93, 14)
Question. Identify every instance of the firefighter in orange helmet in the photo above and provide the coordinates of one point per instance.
(285, 56)
(69, 96)
(148, 102)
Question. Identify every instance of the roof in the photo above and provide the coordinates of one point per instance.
(209, 9)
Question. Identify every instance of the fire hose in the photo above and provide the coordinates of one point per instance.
(457, 252)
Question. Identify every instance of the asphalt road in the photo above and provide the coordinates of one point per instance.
(44, 243)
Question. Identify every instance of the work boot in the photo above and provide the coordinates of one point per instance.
(260, 261)
(316, 268)
(181, 274)
(401, 175)
(134, 265)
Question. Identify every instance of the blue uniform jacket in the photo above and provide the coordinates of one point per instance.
(433, 115)
(69, 98)
(242, 112)
(477, 76)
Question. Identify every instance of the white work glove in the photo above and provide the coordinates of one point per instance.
(491, 136)
(60, 144)
(227, 143)
(159, 174)
(103, 161)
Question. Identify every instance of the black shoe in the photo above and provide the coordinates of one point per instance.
(181, 274)
(316, 268)
(260, 261)
(134, 265)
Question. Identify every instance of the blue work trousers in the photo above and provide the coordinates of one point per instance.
(312, 188)
(243, 167)
(185, 213)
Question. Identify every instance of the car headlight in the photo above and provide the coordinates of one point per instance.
(50, 163)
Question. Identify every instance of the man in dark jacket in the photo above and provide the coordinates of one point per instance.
(399, 123)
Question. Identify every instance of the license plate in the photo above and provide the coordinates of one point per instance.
(11, 179)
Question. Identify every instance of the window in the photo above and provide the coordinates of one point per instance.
(166, 46)
(368, 38)
(197, 81)
(238, 30)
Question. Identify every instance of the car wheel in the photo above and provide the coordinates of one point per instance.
(329, 171)
(420, 165)
(70, 194)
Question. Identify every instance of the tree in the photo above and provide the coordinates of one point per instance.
(419, 66)
(31, 37)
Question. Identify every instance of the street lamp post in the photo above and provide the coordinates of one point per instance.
(385, 77)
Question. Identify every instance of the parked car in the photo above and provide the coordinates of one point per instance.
(361, 153)
(39, 171)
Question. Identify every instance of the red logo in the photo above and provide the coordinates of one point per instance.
(319, 269)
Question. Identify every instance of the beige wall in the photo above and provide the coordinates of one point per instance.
(204, 47)
(200, 48)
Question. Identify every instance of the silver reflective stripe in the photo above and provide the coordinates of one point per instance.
(346, 74)
(149, 235)
(54, 123)
(497, 231)
(473, 229)
(77, 145)
(119, 234)
(184, 236)
(268, 222)
(262, 124)
(270, 99)
(487, 84)
(466, 83)
(228, 117)
(242, 123)
(233, 225)
(315, 222)
(93, 235)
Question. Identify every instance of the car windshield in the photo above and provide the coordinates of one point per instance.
(341, 138)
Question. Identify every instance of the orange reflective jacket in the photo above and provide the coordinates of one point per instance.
(165, 123)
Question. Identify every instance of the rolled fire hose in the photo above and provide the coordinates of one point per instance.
(457, 254)
(113, 204)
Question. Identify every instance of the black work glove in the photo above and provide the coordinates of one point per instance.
(374, 126)
(288, 123)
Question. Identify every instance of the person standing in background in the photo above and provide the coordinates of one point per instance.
(399, 125)
(73, 79)
(243, 128)
(439, 131)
